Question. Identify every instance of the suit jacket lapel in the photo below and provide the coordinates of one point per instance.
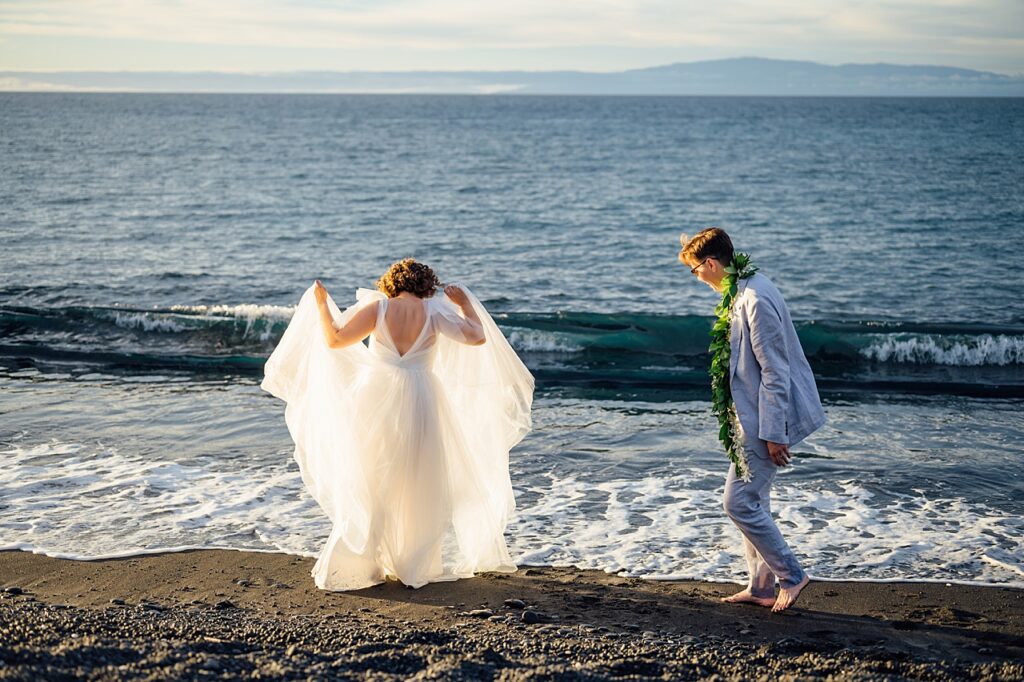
(736, 328)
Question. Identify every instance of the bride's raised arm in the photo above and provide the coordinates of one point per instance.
(355, 330)
(471, 330)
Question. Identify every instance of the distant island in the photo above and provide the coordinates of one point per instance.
(741, 76)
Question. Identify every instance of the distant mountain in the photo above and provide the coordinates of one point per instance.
(741, 76)
(753, 76)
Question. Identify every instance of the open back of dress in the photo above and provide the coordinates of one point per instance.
(407, 453)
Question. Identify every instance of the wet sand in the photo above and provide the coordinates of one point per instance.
(224, 614)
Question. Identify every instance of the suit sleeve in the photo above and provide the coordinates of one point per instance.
(768, 341)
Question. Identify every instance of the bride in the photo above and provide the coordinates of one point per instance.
(404, 442)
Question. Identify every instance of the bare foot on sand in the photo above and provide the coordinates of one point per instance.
(745, 597)
(788, 595)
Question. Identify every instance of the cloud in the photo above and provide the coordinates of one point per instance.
(439, 24)
(11, 84)
(826, 31)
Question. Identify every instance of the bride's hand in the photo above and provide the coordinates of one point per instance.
(456, 294)
(320, 292)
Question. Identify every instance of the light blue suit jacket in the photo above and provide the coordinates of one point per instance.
(772, 384)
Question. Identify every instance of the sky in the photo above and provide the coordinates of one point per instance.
(538, 35)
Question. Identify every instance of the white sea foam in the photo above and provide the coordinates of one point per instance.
(532, 340)
(840, 532)
(961, 351)
(71, 501)
(65, 500)
(248, 311)
(185, 318)
(150, 322)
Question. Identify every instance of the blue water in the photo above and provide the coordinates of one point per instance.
(153, 246)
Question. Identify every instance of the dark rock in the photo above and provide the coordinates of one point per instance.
(479, 613)
(225, 604)
(515, 603)
(637, 667)
(13, 589)
(530, 617)
(117, 602)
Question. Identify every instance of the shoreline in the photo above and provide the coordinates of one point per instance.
(258, 613)
(139, 554)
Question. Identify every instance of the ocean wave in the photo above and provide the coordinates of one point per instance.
(248, 311)
(536, 341)
(219, 326)
(957, 351)
(621, 349)
(150, 322)
(267, 321)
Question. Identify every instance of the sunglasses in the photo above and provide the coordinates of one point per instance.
(693, 271)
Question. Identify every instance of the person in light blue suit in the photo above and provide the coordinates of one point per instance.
(776, 406)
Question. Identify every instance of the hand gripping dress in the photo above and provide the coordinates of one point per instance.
(407, 454)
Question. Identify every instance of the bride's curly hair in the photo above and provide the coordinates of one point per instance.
(409, 275)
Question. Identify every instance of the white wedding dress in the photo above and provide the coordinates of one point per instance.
(407, 454)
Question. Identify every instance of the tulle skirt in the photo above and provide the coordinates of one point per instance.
(425, 515)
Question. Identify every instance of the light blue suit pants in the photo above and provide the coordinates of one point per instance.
(749, 507)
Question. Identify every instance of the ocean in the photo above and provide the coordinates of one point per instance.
(153, 247)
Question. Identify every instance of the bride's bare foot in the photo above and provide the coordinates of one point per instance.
(787, 595)
(745, 597)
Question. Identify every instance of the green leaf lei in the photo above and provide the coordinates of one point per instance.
(721, 394)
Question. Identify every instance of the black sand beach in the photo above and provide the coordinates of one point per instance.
(225, 614)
